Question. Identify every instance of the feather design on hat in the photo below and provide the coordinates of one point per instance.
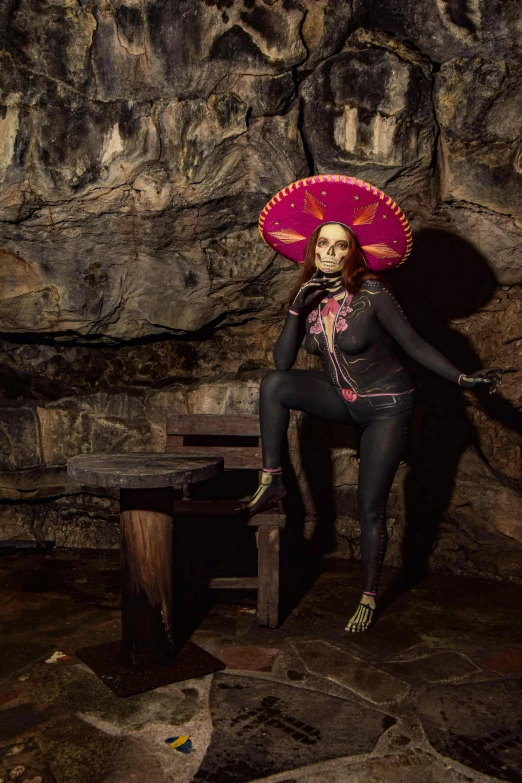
(380, 251)
(365, 215)
(313, 206)
(287, 235)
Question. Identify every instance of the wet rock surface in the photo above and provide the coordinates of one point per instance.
(135, 156)
(478, 725)
(410, 765)
(436, 666)
(257, 731)
(288, 707)
(360, 677)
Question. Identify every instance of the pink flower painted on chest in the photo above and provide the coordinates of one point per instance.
(341, 324)
(316, 327)
(345, 309)
(331, 306)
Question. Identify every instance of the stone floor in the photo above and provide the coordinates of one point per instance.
(432, 693)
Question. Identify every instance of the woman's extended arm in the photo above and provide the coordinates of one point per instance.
(392, 317)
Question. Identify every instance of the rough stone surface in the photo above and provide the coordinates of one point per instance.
(240, 707)
(479, 140)
(477, 725)
(505, 661)
(436, 667)
(258, 659)
(361, 677)
(410, 765)
(135, 156)
(282, 725)
(376, 119)
(445, 30)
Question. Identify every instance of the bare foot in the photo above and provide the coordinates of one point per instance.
(362, 619)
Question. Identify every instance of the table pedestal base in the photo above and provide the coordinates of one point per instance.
(106, 660)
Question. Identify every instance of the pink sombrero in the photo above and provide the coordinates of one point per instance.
(292, 215)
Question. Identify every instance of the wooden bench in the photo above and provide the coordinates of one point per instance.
(222, 428)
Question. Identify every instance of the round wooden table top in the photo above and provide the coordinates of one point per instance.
(144, 470)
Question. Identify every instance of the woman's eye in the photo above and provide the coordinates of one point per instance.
(322, 242)
(342, 245)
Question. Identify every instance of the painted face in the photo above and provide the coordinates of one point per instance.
(332, 247)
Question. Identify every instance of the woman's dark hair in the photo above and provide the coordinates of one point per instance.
(354, 270)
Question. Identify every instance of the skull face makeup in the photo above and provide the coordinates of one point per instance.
(332, 247)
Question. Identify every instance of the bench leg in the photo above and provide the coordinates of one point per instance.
(268, 576)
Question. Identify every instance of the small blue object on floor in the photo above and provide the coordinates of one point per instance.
(183, 744)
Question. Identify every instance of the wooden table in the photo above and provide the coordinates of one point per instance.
(151, 652)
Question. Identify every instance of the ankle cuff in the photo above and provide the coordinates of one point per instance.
(272, 470)
(366, 592)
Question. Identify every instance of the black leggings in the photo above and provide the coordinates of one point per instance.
(385, 421)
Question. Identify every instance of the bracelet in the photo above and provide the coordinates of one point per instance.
(293, 312)
(460, 376)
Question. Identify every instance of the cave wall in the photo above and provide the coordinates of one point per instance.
(138, 142)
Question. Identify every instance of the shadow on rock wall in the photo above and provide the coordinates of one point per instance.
(446, 281)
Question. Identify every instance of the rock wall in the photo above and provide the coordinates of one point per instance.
(138, 143)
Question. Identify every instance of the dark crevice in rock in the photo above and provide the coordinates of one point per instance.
(434, 163)
(86, 491)
(53, 79)
(404, 50)
(308, 154)
(71, 339)
(468, 204)
(304, 70)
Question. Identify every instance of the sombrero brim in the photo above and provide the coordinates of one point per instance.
(292, 215)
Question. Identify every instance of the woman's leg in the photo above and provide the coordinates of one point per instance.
(299, 390)
(282, 391)
(382, 442)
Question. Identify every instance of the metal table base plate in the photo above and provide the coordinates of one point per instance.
(107, 662)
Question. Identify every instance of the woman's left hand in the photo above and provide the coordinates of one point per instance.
(491, 376)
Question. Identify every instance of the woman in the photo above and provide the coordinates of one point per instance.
(350, 318)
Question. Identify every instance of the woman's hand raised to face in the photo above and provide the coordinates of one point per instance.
(490, 376)
(311, 292)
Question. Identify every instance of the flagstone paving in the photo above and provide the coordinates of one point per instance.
(478, 724)
(359, 676)
(436, 667)
(432, 693)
